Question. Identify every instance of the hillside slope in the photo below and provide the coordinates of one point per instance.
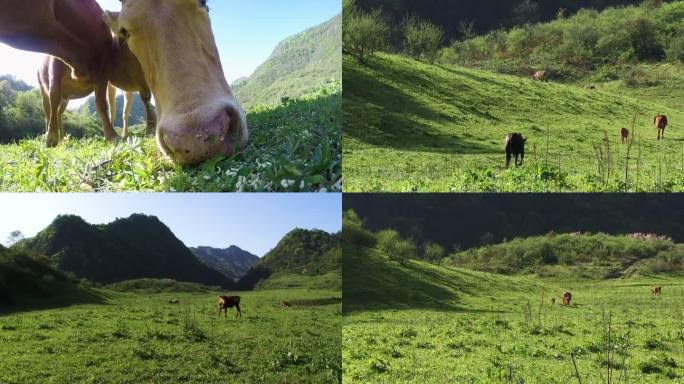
(374, 282)
(299, 65)
(232, 262)
(136, 247)
(413, 126)
(301, 252)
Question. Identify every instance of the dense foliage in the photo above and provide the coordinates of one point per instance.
(298, 66)
(473, 220)
(363, 32)
(620, 253)
(136, 247)
(603, 44)
(154, 286)
(300, 252)
(231, 262)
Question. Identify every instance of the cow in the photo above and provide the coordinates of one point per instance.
(660, 122)
(553, 300)
(624, 135)
(656, 290)
(567, 296)
(57, 87)
(199, 116)
(226, 302)
(173, 41)
(539, 76)
(174, 301)
(589, 87)
(285, 304)
(515, 145)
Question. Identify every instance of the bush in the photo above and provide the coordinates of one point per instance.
(363, 33)
(422, 39)
(675, 50)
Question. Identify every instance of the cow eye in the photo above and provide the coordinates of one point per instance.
(123, 32)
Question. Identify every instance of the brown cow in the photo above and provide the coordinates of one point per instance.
(539, 76)
(624, 135)
(567, 296)
(174, 301)
(226, 302)
(660, 122)
(198, 114)
(285, 304)
(553, 300)
(589, 87)
(656, 290)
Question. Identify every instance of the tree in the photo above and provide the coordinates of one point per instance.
(14, 237)
(467, 29)
(422, 38)
(433, 252)
(363, 33)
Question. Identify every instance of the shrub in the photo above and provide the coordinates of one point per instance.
(422, 39)
(364, 33)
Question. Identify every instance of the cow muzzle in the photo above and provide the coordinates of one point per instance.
(189, 143)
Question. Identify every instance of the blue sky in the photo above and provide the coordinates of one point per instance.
(254, 222)
(246, 33)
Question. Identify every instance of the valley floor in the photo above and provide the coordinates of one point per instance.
(140, 338)
(513, 335)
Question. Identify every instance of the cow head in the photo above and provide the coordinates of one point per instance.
(173, 40)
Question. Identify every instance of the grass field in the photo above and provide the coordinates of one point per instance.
(410, 126)
(418, 323)
(294, 147)
(135, 338)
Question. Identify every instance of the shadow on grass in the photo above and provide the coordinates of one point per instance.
(394, 116)
(371, 282)
(61, 297)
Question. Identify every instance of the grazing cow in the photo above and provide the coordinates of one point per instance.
(624, 135)
(285, 304)
(174, 301)
(656, 290)
(553, 300)
(198, 115)
(515, 145)
(226, 302)
(539, 76)
(660, 122)
(567, 296)
(589, 87)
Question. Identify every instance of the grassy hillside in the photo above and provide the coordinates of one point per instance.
(141, 338)
(414, 322)
(136, 247)
(30, 279)
(304, 253)
(409, 126)
(231, 262)
(299, 65)
(138, 115)
(292, 148)
(150, 286)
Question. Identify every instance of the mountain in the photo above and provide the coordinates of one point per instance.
(136, 247)
(299, 65)
(231, 262)
(300, 252)
(138, 114)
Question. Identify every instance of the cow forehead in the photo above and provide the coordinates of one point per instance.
(202, 3)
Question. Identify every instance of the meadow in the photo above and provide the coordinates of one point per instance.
(293, 147)
(411, 126)
(417, 322)
(138, 337)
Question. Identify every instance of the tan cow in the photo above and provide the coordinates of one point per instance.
(656, 290)
(226, 302)
(198, 115)
(539, 76)
(660, 122)
(624, 135)
(174, 301)
(567, 296)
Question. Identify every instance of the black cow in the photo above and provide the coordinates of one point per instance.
(515, 145)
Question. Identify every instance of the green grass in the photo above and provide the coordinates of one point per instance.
(421, 323)
(140, 338)
(410, 126)
(293, 148)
